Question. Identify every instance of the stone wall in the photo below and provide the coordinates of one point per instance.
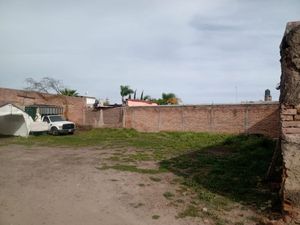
(74, 107)
(235, 119)
(290, 118)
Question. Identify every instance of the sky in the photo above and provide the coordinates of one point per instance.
(218, 51)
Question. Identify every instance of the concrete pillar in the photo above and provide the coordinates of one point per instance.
(290, 118)
(100, 119)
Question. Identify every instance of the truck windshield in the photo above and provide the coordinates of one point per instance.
(56, 118)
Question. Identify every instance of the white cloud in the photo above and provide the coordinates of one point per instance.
(199, 50)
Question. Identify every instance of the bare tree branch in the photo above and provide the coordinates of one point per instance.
(45, 85)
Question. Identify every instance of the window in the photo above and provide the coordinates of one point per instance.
(46, 119)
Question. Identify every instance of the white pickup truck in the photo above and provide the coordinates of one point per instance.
(58, 125)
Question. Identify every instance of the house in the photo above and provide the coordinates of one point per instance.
(135, 102)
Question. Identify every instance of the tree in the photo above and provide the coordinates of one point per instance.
(167, 99)
(125, 91)
(69, 92)
(147, 97)
(45, 85)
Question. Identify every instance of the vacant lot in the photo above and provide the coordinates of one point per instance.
(115, 176)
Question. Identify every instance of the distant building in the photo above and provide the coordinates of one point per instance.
(268, 97)
(135, 102)
(90, 101)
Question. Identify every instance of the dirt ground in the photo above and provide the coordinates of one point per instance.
(61, 186)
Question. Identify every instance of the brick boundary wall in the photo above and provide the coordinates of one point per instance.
(110, 117)
(237, 118)
(260, 118)
(74, 107)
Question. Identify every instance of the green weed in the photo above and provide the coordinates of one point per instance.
(168, 195)
(131, 168)
(155, 179)
(155, 217)
(190, 211)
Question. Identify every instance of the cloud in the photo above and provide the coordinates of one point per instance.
(200, 50)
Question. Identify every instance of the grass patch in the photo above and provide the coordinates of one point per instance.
(239, 223)
(159, 145)
(233, 170)
(155, 217)
(140, 156)
(190, 211)
(131, 168)
(168, 195)
(179, 201)
(155, 179)
(114, 158)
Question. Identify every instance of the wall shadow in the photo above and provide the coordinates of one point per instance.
(235, 169)
(269, 126)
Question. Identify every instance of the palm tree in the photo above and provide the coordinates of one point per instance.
(69, 92)
(125, 91)
(142, 95)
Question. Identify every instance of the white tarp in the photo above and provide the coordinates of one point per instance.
(14, 121)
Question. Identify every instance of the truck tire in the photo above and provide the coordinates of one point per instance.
(54, 131)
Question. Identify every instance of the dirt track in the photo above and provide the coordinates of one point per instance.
(59, 186)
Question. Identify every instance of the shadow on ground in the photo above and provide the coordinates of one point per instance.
(235, 169)
(5, 136)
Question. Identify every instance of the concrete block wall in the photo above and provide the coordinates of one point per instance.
(235, 119)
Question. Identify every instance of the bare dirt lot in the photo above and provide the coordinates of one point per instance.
(63, 186)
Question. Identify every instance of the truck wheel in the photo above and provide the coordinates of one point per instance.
(54, 131)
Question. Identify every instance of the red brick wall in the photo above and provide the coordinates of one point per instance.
(243, 118)
(108, 117)
(74, 107)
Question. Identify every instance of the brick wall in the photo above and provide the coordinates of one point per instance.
(243, 118)
(74, 107)
(290, 121)
(108, 117)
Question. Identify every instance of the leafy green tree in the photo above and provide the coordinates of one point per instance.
(167, 99)
(147, 97)
(125, 91)
(69, 92)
